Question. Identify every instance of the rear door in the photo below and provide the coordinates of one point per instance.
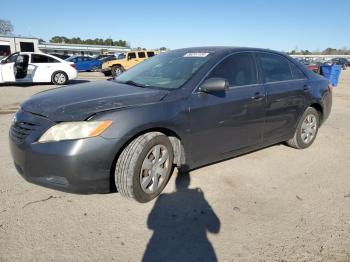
(142, 56)
(287, 94)
(224, 122)
(41, 67)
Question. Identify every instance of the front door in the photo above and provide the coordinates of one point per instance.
(7, 68)
(132, 60)
(227, 122)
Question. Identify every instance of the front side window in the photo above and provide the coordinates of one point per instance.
(238, 70)
(141, 54)
(131, 56)
(150, 54)
(165, 71)
(36, 58)
(12, 58)
(275, 68)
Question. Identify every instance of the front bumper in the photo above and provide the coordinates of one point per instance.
(106, 70)
(78, 166)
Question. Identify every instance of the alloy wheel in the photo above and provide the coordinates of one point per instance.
(308, 128)
(154, 169)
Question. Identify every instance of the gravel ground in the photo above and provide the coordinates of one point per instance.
(276, 204)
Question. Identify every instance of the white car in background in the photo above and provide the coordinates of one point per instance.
(30, 67)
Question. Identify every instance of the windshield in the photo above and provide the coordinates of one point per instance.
(169, 70)
(121, 56)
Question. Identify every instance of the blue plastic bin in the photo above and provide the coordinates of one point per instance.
(332, 73)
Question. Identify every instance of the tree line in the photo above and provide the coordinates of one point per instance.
(96, 41)
(327, 51)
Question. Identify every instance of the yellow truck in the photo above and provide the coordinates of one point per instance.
(125, 61)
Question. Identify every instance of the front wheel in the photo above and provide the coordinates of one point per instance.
(144, 167)
(307, 129)
(116, 70)
(59, 78)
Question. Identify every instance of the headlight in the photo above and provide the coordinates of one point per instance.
(74, 130)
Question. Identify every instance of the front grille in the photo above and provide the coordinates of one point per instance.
(20, 130)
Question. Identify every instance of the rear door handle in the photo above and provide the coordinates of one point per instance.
(306, 88)
(258, 96)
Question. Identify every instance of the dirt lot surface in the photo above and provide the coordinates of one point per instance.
(276, 204)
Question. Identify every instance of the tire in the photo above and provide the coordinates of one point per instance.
(116, 70)
(138, 163)
(59, 78)
(307, 129)
(107, 73)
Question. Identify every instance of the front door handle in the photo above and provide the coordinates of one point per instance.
(258, 96)
(306, 88)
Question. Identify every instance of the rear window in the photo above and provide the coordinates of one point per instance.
(141, 54)
(275, 68)
(150, 54)
(297, 73)
(36, 58)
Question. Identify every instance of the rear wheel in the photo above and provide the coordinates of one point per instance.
(307, 129)
(144, 167)
(59, 78)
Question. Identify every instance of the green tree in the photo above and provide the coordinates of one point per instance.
(6, 27)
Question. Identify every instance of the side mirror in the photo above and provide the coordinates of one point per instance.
(3, 61)
(214, 84)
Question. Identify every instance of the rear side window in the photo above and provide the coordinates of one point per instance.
(141, 54)
(131, 56)
(238, 70)
(297, 73)
(43, 59)
(275, 68)
(150, 54)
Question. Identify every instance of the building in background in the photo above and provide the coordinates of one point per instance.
(80, 49)
(13, 43)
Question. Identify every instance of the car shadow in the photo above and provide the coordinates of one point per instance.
(180, 222)
(71, 82)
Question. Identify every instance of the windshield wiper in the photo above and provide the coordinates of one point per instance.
(132, 83)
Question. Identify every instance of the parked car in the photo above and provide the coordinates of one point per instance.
(85, 63)
(343, 62)
(62, 56)
(30, 67)
(125, 61)
(107, 58)
(184, 108)
(311, 65)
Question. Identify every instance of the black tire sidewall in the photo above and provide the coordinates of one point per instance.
(300, 141)
(139, 194)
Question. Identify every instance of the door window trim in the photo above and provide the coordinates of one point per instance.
(286, 58)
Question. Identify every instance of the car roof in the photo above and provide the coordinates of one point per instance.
(225, 49)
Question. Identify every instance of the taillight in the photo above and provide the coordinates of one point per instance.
(72, 65)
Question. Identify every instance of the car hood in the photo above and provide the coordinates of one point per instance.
(78, 102)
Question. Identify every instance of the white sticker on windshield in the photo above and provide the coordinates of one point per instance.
(196, 54)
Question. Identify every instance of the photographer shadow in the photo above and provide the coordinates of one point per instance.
(180, 221)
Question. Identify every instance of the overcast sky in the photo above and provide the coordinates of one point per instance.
(281, 25)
